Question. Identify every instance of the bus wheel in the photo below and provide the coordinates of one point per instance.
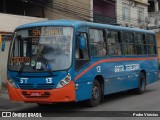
(96, 95)
(141, 84)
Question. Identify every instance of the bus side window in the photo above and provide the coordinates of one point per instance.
(81, 55)
(151, 44)
(128, 43)
(97, 43)
(140, 44)
(114, 43)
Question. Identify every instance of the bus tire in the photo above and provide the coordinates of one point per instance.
(141, 83)
(96, 95)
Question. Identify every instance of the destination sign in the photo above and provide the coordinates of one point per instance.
(46, 31)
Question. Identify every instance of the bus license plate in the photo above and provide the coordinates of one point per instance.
(35, 94)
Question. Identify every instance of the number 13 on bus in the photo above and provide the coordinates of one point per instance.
(83, 61)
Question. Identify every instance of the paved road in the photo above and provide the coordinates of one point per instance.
(124, 101)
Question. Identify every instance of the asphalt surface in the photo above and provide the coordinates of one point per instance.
(124, 102)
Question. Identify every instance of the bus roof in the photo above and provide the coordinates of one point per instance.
(76, 23)
(53, 23)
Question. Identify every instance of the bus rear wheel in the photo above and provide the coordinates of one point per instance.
(141, 84)
(96, 95)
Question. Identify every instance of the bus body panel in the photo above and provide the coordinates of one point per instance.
(36, 84)
(65, 94)
(115, 81)
(36, 80)
(83, 88)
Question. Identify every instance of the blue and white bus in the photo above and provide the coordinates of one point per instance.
(70, 61)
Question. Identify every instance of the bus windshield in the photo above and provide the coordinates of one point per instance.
(41, 49)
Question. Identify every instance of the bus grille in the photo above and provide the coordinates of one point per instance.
(36, 87)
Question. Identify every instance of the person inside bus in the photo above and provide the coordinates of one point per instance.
(117, 50)
(101, 51)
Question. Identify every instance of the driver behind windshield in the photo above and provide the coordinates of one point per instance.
(57, 58)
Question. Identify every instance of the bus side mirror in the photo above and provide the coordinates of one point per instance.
(3, 44)
(82, 42)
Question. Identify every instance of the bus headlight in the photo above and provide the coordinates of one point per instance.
(12, 83)
(64, 81)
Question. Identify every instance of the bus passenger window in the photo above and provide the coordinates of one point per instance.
(151, 44)
(97, 43)
(114, 43)
(140, 44)
(128, 43)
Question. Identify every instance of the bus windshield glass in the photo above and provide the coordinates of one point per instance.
(41, 49)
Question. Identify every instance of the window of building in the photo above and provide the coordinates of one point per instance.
(140, 44)
(114, 43)
(125, 12)
(97, 42)
(151, 44)
(129, 46)
(140, 15)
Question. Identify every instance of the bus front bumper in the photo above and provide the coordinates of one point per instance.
(65, 94)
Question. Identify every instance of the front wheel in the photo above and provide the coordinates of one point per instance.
(141, 84)
(96, 95)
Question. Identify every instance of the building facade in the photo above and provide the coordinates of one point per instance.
(132, 13)
(104, 11)
(70, 9)
(154, 15)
